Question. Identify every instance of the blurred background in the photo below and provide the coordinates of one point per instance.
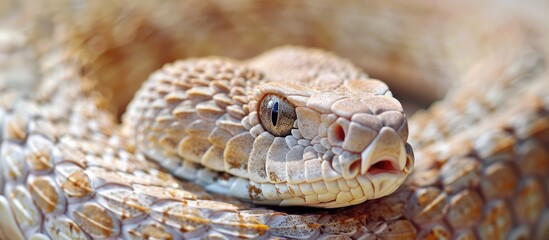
(420, 48)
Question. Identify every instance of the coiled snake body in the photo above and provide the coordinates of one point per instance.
(293, 126)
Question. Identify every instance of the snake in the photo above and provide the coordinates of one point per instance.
(287, 143)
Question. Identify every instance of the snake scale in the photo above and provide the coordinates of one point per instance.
(69, 170)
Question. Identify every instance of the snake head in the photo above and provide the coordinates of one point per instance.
(291, 127)
(343, 146)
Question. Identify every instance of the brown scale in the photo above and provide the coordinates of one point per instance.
(123, 202)
(459, 173)
(25, 212)
(15, 127)
(62, 226)
(465, 235)
(529, 201)
(426, 204)
(77, 184)
(435, 231)
(499, 181)
(13, 162)
(96, 220)
(151, 230)
(44, 193)
(497, 220)
(400, 229)
(38, 154)
(465, 210)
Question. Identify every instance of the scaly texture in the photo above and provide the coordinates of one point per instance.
(481, 156)
(201, 119)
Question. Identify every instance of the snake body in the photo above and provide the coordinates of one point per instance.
(69, 171)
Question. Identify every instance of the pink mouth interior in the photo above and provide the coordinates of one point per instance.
(383, 166)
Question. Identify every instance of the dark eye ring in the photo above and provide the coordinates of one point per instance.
(277, 115)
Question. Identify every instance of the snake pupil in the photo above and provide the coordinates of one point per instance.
(277, 115)
(274, 114)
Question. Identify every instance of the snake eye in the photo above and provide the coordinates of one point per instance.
(277, 115)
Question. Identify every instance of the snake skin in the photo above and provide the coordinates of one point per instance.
(347, 144)
(69, 172)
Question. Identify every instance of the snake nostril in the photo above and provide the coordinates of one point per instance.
(339, 133)
(355, 167)
(382, 166)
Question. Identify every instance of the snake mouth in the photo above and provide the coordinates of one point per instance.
(387, 164)
(386, 155)
(384, 165)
